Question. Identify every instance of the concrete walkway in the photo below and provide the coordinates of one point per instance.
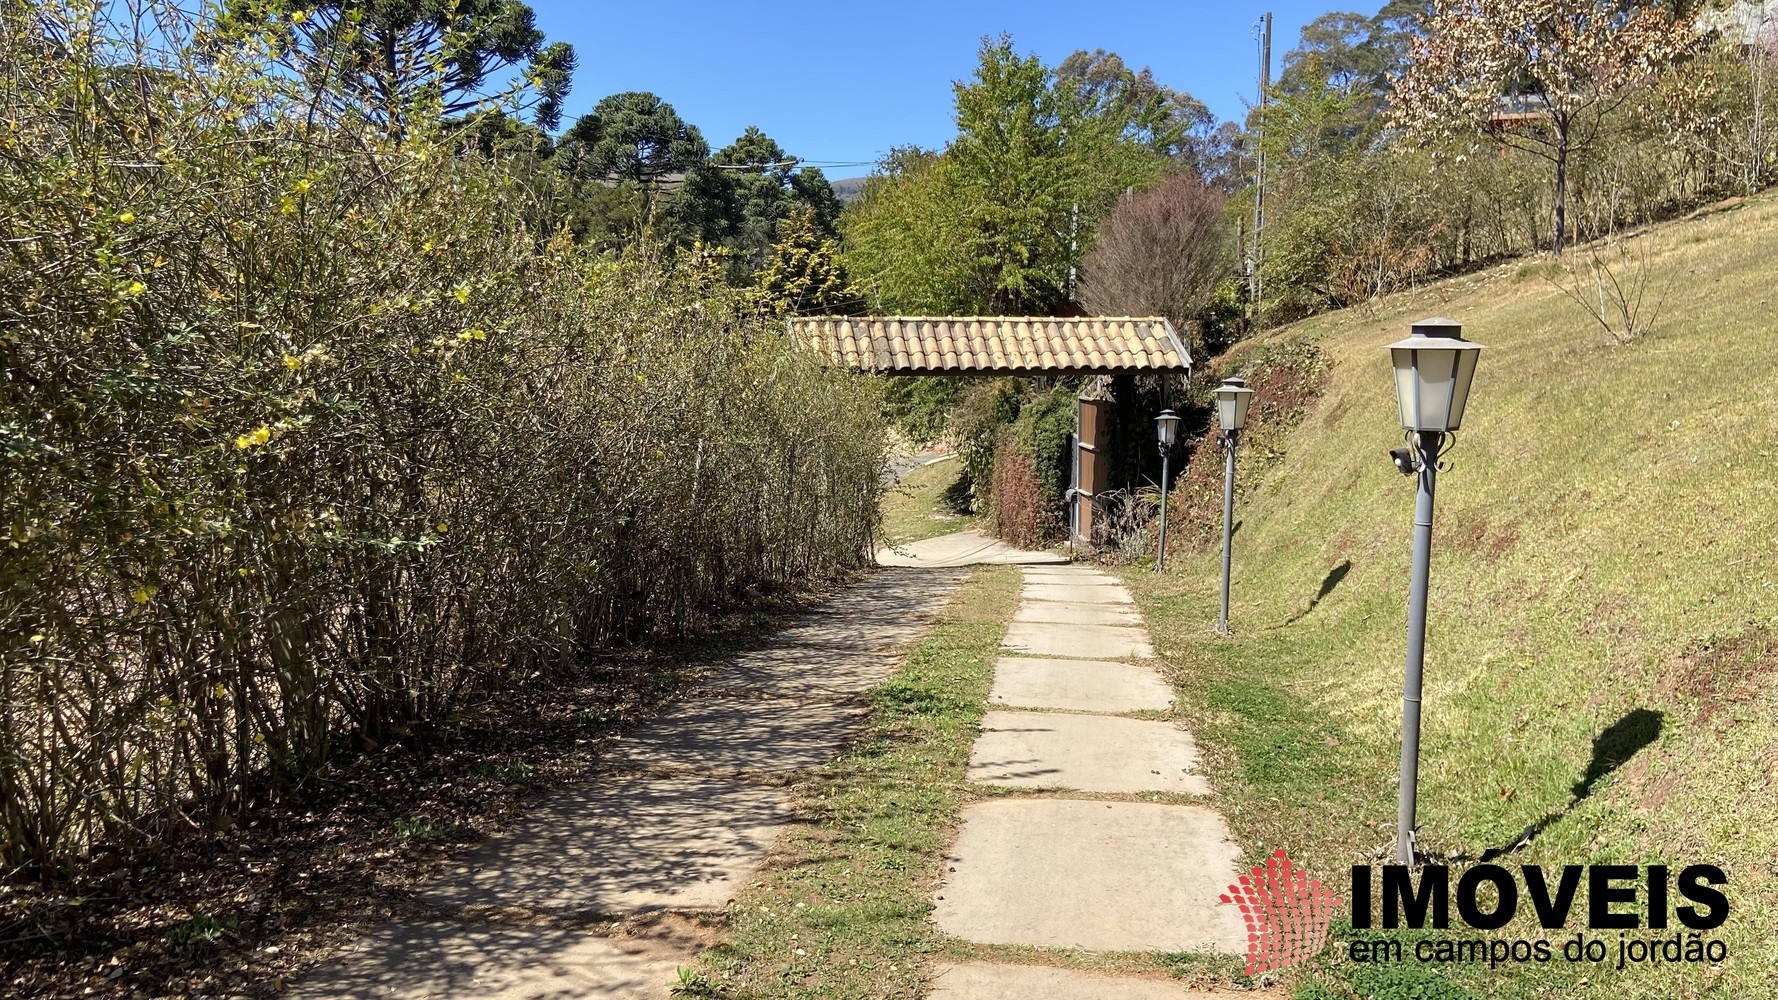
(683, 814)
(1052, 869)
(963, 548)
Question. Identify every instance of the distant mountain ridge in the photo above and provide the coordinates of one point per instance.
(849, 189)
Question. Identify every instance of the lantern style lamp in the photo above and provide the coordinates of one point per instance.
(1433, 371)
(1167, 431)
(1232, 400)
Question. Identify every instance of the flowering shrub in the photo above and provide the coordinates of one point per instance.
(308, 436)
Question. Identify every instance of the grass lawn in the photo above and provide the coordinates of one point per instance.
(1601, 640)
(928, 502)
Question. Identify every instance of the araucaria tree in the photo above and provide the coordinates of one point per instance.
(395, 62)
(1537, 75)
(634, 139)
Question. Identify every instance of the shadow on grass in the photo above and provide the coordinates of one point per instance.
(1328, 583)
(1612, 748)
(957, 498)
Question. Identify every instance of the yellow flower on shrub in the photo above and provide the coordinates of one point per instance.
(254, 438)
(287, 205)
(473, 333)
(126, 217)
(134, 289)
(292, 362)
(461, 294)
(143, 594)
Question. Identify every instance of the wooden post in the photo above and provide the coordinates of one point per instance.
(1091, 437)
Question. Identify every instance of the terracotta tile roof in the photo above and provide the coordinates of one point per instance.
(993, 344)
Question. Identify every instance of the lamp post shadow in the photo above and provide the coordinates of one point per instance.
(1328, 583)
(1612, 749)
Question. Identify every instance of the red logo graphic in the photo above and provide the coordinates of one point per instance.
(1286, 911)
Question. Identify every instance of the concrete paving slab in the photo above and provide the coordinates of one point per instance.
(628, 844)
(964, 548)
(1070, 574)
(1080, 685)
(1093, 642)
(1077, 614)
(740, 735)
(805, 672)
(1088, 753)
(986, 981)
(1076, 593)
(413, 961)
(1107, 876)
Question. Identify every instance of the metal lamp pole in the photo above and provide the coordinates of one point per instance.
(1167, 430)
(1433, 371)
(1232, 399)
(1228, 521)
(1426, 450)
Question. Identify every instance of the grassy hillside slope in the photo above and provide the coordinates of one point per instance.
(1603, 623)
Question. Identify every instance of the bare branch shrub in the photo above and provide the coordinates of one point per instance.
(1161, 253)
(307, 440)
(1615, 285)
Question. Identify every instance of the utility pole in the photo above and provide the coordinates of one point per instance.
(1255, 287)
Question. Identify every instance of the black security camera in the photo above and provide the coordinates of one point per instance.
(1405, 462)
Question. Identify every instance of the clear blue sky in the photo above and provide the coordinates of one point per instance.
(845, 81)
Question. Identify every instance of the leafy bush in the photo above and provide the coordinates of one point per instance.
(306, 438)
(1019, 511)
(1030, 465)
(984, 409)
(921, 405)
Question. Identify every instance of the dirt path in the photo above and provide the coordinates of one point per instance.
(598, 893)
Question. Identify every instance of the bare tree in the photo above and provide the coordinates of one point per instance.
(1161, 252)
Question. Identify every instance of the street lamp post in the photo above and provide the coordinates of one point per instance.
(1167, 429)
(1232, 399)
(1433, 370)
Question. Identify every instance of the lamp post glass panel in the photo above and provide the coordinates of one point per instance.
(1232, 400)
(1167, 430)
(1433, 370)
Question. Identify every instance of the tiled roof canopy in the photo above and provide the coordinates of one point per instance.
(969, 345)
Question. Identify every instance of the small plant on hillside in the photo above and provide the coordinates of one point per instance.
(1616, 286)
(200, 933)
(692, 983)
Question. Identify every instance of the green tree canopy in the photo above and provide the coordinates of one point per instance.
(634, 136)
(998, 220)
(804, 276)
(393, 60)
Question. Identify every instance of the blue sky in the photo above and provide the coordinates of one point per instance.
(843, 82)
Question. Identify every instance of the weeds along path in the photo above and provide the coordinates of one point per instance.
(610, 889)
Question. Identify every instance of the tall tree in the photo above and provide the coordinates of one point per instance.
(1032, 158)
(1161, 252)
(1569, 63)
(804, 276)
(740, 196)
(393, 60)
(633, 139)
